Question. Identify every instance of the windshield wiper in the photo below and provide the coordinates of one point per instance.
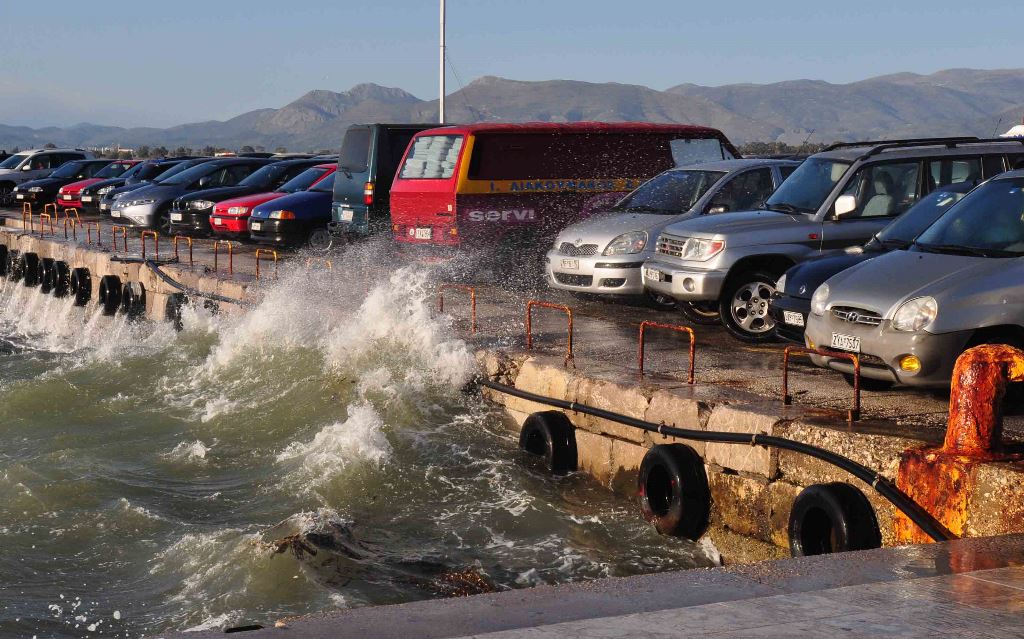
(894, 243)
(784, 207)
(964, 250)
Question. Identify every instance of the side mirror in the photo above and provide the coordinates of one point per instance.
(26, 167)
(205, 181)
(721, 208)
(845, 204)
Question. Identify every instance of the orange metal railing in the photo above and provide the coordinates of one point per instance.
(89, 226)
(27, 221)
(123, 230)
(231, 255)
(48, 222)
(260, 253)
(529, 324)
(644, 325)
(472, 301)
(177, 238)
(156, 243)
(74, 228)
(854, 413)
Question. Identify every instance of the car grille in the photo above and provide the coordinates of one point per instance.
(583, 250)
(574, 280)
(670, 246)
(613, 282)
(856, 315)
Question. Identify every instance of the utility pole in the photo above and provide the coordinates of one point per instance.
(441, 68)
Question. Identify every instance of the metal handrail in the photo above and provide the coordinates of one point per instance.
(42, 225)
(231, 256)
(529, 325)
(787, 399)
(671, 327)
(156, 243)
(124, 236)
(74, 228)
(88, 233)
(260, 253)
(191, 261)
(472, 301)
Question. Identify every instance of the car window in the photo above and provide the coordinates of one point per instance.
(808, 187)
(989, 221)
(884, 190)
(670, 193)
(303, 180)
(1015, 161)
(239, 172)
(953, 171)
(42, 161)
(745, 192)
(13, 161)
(787, 169)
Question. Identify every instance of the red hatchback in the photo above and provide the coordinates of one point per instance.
(69, 195)
(230, 218)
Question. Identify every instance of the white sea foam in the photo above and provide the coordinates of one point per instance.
(190, 451)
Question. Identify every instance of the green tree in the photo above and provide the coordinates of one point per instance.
(143, 151)
(280, 149)
(15, 150)
(247, 149)
(160, 152)
(49, 145)
(181, 151)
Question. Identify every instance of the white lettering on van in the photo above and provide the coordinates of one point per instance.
(520, 215)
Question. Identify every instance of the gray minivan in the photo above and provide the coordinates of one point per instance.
(369, 158)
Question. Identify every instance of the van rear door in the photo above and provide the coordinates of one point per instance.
(423, 194)
(354, 162)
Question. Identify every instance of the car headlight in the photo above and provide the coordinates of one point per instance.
(238, 210)
(780, 286)
(104, 190)
(916, 314)
(701, 250)
(819, 299)
(35, 189)
(200, 205)
(281, 215)
(627, 243)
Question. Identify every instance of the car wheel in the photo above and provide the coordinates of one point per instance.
(744, 306)
(661, 302)
(701, 313)
(869, 383)
(163, 223)
(320, 239)
(6, 195)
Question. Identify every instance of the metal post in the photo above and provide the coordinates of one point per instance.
(441, 69)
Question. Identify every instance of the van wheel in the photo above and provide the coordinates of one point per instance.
(744, 306)
(320, 240)
(700, 313)
(869, 384)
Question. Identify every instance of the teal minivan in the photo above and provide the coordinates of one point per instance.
(370, 155)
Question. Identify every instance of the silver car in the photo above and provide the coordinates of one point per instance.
(32, 165)
(603, 254)
(910, 313)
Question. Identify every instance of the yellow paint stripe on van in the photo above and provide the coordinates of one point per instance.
(464, 162)
(542, 185)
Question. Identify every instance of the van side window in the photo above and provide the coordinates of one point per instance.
(745, 192)
(433, 157)
(786, 170)
(884, 190)
(355, 149)
(696, 150)
(953, 171)
(992, 165)
(1015, 161)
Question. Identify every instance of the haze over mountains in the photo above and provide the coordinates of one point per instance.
(951, 102)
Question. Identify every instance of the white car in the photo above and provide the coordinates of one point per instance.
(32, 165)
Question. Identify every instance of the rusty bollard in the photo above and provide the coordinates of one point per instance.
(941, 480)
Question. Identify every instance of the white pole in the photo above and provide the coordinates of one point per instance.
(441, 102)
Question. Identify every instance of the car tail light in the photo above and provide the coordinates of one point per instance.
(368, 193)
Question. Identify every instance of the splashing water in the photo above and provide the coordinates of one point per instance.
(153, 480)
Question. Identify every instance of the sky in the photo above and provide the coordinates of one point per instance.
(147, 63)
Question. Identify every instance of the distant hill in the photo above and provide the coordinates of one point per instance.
(951, 102)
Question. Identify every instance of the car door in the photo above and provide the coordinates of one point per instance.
(883, 191)
(39, 166)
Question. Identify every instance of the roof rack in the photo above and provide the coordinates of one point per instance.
(949, 143)
(900, 142)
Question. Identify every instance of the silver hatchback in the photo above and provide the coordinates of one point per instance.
(909, 314)
(604, 253)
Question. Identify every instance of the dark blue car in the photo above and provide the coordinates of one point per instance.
(298, 219)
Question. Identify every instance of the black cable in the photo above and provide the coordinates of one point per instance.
(883, 486)
(153, 266)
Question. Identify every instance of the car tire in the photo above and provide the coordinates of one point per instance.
(163, 222)
(869, 384)
(6, 195)
(319, 239)
(743, 306)
(699, 313)
(660, 302)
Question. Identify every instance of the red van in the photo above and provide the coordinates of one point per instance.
(481, 185)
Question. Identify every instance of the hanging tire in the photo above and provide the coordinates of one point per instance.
(61, 279)
(743, 306)
(44, 273)
(550, 436)
(828, 518)
(699, 313)
(172, 309)
(28, 263)
(110, 294)
(81, 286)
(673, 491)
(3, 261)
(133, 299)
(14, 271)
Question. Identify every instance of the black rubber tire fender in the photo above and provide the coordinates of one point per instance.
(81, 286)
(28, 264)
(14, 271)
(672, 488)
(3, 261)
(44, 273)
(550, 436)
(61, 278)
(834, 517)
(172, 309)
(133, 299)
(110, 294)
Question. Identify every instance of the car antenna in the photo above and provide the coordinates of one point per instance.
(995, 129)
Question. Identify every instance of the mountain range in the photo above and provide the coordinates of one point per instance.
(950, 102)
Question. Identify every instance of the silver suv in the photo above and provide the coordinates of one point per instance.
(603, 254)
(724, 267)
(910, 313)
(32, 165)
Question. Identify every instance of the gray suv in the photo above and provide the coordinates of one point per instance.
(724, 267)
(32, 165)
(910, 313)
(603, 254)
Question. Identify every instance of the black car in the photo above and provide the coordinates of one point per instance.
(792, 300)
(190, 213)
(44, 190)
(154, 171)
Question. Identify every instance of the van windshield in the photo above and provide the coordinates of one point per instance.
(670, 193)
(432, 157)
(13, 161)
(989, 222)
(806, 189)
(355, 150)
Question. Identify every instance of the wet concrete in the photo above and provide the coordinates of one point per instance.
(965, 588)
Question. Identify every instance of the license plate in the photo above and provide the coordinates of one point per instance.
(653, 275)
(115, 213)
(104, 207)
(846, 343)
(175, 217)
(424, 233)
(794, 319)
(216, 220)
(572, 265)
(256, 226)
(20, 196)
(87, 198)
(66, 197)
(346, 215)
